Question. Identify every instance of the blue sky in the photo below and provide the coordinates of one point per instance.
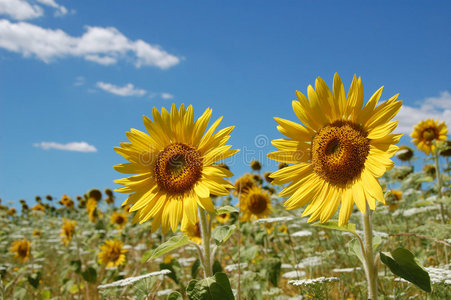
(86, 71)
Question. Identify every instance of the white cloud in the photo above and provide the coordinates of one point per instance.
(126, 90)
(167, 96)
(20, 9)
(60, 10)
(73, 146)
(438, 108)
(79, 81)
(103, 45)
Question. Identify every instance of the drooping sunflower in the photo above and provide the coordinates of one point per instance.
(67, 231)
(112, 253)
(255, 204)
(244, 183)
(21, 250)
(393, 199)
(175, 163)
(339, 151)
(426, 132)
(119, 219)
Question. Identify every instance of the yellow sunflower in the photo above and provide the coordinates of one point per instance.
(39, 207)
(67, 231)
(112, 253)
(426, 132)
(340, 151)
(223, 218)
(255, 204)
(93, 211)
(175, 163)
(244, 183)
(21, 250)
(119, 219)
(193, 232)
(393, 199)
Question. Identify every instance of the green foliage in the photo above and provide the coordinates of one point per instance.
(212, 288)
(90, 275)
(226, 209)
(171, 244)
(174, 267)
(195, 268)
(216, 268)
(273, 267)
(175, 296)
(402, 263)
(222, 233)
(34, 280)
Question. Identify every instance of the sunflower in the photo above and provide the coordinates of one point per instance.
(426, 132)
(223, 218)
(255, 204)
(244, 183)
(393, 199)
(93, 211)
(67, 201)
(21, 250)
(112, 253)
(67, 230)
(339, 153)
(37, 233)
(119, 219)
(176, 168)
(39, 207)
(12, 211)
(193, 232)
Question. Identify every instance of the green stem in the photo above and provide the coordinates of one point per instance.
(439, 183)
(205, 231)
(371, 275)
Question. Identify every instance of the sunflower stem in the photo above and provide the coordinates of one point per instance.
(439, 184)
(371, 275)
(205, 231)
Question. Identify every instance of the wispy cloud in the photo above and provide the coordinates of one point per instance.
(167, 96)
(102, 45)
(73, 146)
(438, 108)
(59, 9)
(126, 90)
(20, 9)
(26, 10)
(79, 81)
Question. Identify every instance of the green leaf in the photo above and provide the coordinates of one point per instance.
(45, 294)
(216, 268)
(273, 266)
(175, 268)
(195, 268)
(146, 256)
(226, 210)
(354, 247)
(212, 288)
(222, 233)
(90, 275)
(350, 227)
(402, 263)
(175, 296)
(76, 264)
(34, 280)
(171, 244)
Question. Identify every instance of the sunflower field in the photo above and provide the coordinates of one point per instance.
(349, 214)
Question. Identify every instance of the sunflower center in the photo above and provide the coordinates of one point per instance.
(115, 253)
(178, 168)
(339, 152)
(23, 250)
(119, 220)
(257, 203)
(429, 134)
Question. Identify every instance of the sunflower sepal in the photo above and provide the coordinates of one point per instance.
(171, 244)
(223, 233)
(227, 209)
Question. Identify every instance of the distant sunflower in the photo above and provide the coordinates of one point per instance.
(393, 199)
(426, 132)
(39, 207)
(67, 231)
(93, 211)
(193, 232)
(176, 167)
(112, 253)
(21, 250)
(339, 151)
(244, 183)
(255, 204)
(119, 219)
(12, 211)
(223, 218)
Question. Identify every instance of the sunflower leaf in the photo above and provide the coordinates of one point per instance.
(350, 227)
(222, 233)
(171, 244)
(226, 210)
(402, 263)
(175, 296)
(216, 287)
